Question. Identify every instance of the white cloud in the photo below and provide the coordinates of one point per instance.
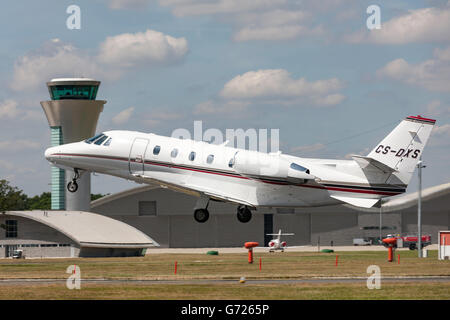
(53, 59)
(158, 117)
(115, 56)
(207, 7)
(278, 83)
(127, 4)
(8, 109)
(19, 145)
(131, 49)
(432, 74)
(442, 54)
(221, 107)
(274, 87)
(313, 148)
(417, 26)
(123, 116)
(435, 108)
(440, 135)
(270, 20)
(277, 24)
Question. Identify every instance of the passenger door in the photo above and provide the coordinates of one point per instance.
(137, 152)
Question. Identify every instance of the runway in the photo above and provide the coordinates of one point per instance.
(321, 280)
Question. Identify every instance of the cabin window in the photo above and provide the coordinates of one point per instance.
(100, 140)
(174, 153)
(192, 156)
(156, 150)
(299, 168)
(210, 159)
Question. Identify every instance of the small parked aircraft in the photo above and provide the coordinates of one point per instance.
(277, 244)
(247, 178)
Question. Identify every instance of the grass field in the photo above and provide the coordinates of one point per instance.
(288, 265)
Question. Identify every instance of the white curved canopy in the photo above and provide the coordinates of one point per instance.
(90, 229)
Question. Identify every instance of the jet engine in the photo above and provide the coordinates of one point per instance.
(253, 164)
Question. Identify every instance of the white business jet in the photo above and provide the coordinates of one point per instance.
(250, 179)
(277, 244)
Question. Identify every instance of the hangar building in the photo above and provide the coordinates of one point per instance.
(167, 216)
(69, 234)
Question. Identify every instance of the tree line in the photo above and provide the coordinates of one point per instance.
(13, 198)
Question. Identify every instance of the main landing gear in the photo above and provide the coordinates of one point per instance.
(72, 186)
(201, 213)
(244, 214)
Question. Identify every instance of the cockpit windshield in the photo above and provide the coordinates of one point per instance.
(90, 140)
(99, 139)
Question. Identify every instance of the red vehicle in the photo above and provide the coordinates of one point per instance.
(409, 241)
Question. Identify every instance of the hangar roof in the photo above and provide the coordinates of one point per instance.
(122, 194)
(410, 199)
(90, 229)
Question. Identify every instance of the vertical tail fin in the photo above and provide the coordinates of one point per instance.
(402, 148)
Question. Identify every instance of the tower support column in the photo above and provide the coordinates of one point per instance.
(72, 114)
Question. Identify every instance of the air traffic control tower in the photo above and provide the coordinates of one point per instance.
(72, 114)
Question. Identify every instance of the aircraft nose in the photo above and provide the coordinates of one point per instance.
(50, 153)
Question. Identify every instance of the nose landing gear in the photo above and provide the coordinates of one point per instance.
(72, 186)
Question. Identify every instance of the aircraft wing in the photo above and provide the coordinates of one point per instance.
(196, 190)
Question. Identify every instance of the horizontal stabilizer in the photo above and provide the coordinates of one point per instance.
(365, 162)
(358, 202)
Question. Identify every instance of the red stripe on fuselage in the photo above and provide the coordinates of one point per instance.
(343, 189)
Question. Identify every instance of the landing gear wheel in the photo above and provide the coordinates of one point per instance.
(244, 214)
(72, 186)
(201, 215)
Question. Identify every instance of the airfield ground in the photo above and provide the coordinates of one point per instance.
(289, 275)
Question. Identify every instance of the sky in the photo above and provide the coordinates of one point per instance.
(314, 70)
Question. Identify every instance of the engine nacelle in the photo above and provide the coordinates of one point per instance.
(256, 164)
(284, 244)
(271, 244)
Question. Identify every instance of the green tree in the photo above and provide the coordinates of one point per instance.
(11, 198)
(97, 196)
(42, 202)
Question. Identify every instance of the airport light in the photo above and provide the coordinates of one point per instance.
(381, 220)
(419, 208)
